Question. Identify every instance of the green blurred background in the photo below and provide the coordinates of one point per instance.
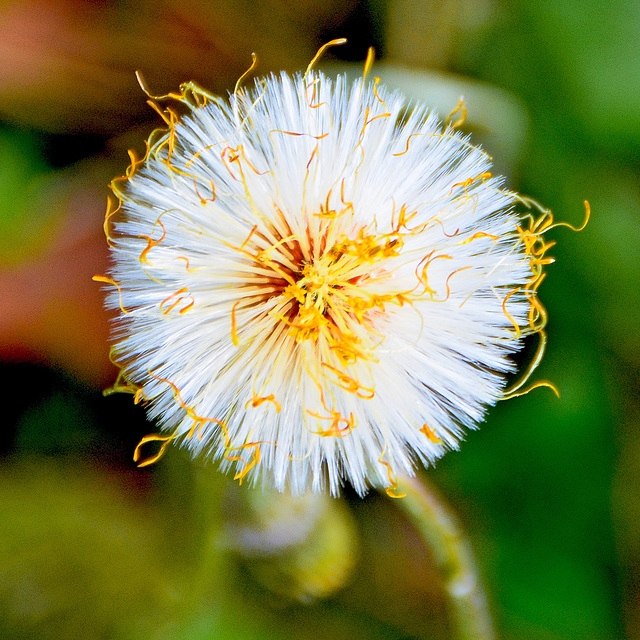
(91, 547)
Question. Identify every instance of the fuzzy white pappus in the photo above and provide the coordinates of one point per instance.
(318, 282)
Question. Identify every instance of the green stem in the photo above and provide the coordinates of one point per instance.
(453, 556)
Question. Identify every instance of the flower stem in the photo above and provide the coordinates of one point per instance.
(453, 556)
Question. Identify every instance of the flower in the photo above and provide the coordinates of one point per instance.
(318, 282)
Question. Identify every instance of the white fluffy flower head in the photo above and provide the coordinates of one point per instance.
(317, 283)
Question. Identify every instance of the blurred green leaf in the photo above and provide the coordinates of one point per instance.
(594, 48)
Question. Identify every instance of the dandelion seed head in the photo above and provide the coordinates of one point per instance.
(317, 282)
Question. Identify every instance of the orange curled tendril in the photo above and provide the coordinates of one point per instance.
(250, 164)
(247, 466)
(349, 384)
(112, 209)
(422, 275)
(392, 488)
(460, 111)
(325, 209)
(257, 401)
(320, 53)
(535, 385)
(311, 100)
(314, 60)
(230, 154)
(254, 62)
(311, 157)
(404, 220)
(204, 201)
(446, 284)
(134, 164)
(167, 137)
(469, 181)
(370, 120)
(237, 155)
(444, 231)
(336, 418)
(376, 82)
(461, 141)
(508, 315)
(151, 242)
(197, 154)
(246, 240)
(186, 262)
(428, 431)
(116, 285)
(234, 325)
(481, 234)
(329, 213)
(368, 63)
(153, 437)
(537, 316)
(348, 205)
(190, 93)
(293, 133)
(179, 297)
(413, 135)
(168, 115)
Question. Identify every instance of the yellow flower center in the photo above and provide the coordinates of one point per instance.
(330, 296)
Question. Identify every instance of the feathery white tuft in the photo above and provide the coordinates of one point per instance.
(318, 283)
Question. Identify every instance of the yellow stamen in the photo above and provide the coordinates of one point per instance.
(321, 50)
